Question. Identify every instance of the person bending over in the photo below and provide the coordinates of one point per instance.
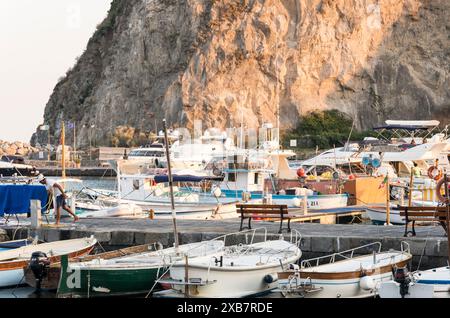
(60, 197)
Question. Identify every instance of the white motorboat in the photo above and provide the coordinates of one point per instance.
(122, 210)
(351, 276)
(432, 283)
(242, 270)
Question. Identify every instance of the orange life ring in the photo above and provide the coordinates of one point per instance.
(438, 189)
(432, 173)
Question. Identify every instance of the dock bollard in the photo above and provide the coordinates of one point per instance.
(152, 214)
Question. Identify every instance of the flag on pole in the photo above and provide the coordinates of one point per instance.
(383, 183)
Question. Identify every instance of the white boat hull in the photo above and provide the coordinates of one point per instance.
(237, 284)
(378, 215)
(338, 288)
(11, 277)
(433, 283)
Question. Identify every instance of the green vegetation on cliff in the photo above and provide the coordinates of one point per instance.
(324, 129)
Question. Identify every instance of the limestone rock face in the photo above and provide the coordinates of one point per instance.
(225, 61)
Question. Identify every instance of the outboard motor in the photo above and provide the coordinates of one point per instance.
(39, 264)
(401, 276)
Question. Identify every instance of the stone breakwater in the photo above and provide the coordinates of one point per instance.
(16, 148)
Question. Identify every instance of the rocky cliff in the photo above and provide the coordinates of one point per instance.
(223, 60)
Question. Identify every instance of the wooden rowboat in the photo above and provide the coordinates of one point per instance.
(13, 261)
(53, 273)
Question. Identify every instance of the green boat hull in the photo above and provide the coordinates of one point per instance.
(106, 282)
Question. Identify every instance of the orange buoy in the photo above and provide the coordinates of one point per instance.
(439, 185)
(434, 173)
(301, 173)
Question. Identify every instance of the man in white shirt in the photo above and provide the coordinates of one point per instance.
(60, 197)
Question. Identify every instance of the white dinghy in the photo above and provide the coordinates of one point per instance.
(353, 276)
(432, 283)
(13, 261)
(238, 271)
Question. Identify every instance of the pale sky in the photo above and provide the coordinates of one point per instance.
(39, 42)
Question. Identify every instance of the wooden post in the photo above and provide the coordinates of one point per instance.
(411, 180)
(447, 197)
(63, 156)
(388, 202)
(305, 205)
(186, 276)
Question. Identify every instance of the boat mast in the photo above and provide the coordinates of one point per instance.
(169, 171)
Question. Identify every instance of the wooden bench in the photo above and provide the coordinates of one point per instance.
(425, 214)
(275, 211)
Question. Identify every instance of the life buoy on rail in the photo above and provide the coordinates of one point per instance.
(439, 185)
(434, 173)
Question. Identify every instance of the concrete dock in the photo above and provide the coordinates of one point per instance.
(429, 247)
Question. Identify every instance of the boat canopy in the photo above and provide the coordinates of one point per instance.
(423, 123)
(183, 178)
(408, 128)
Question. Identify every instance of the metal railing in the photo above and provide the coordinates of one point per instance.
(332, 257)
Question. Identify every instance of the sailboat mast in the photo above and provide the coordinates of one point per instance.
(169, 171)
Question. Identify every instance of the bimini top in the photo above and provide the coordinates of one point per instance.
(409, 124)
(184, 178)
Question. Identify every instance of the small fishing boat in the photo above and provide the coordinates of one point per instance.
(377, 215)
(125, 275)
(48, 278)
(12, 261)
(432, 283)
(9, 245)
(353, 276)
(242, 270)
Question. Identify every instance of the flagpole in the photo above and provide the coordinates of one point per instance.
(63, 156)
(388, 202)
(74, 142)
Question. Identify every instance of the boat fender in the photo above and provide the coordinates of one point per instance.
(301, 173)
(439, 185)
(367, 283)
(216, 192)
(270, 278)
(434, 173)
(296, 202)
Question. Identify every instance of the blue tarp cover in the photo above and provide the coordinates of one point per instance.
(15, 199)
(178, 178)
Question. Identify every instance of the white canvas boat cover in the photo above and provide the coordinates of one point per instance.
(409, 123)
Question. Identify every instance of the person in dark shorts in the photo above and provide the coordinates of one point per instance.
(60, 197)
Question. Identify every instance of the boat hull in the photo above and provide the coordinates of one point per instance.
(11, 272)
(378, 216)
(433, 283)
(246, 283)
(82, 283)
